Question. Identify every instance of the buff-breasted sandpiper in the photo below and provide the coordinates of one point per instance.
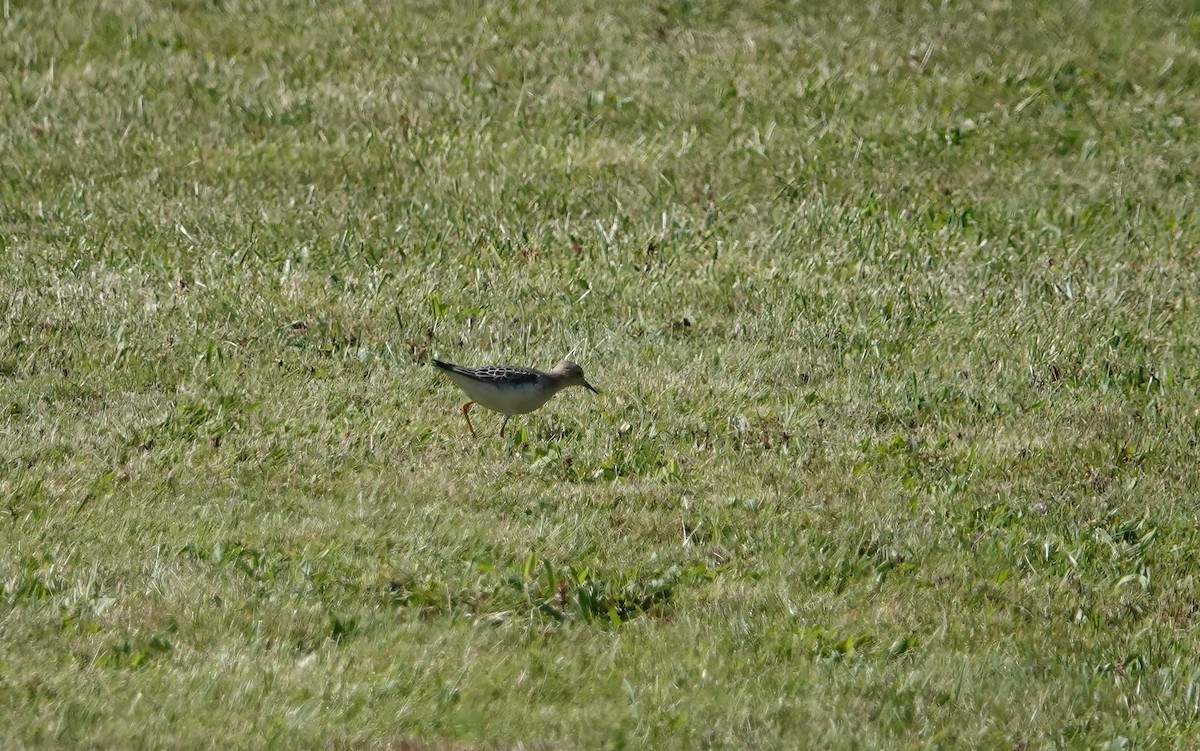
(511, 390)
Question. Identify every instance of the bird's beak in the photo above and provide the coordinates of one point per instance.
(590, 387)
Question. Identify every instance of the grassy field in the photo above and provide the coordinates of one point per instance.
(893, 307)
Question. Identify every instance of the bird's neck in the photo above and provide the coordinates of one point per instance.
(557, 382)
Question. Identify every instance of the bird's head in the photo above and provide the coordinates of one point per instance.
(572, 375)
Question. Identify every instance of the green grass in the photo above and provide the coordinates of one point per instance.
(894, 309)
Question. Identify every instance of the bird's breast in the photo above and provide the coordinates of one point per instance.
(510, 399)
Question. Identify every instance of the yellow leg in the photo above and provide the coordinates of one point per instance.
(466, 410)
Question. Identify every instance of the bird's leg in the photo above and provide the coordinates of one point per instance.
(466, 410)
(504, 424)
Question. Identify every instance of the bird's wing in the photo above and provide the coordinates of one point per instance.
(502, 374)
(493, 373)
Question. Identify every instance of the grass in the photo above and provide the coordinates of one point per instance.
(894, 309)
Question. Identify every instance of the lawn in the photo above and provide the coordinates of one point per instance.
(892, 305)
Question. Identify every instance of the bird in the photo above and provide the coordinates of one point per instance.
(512, 390)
